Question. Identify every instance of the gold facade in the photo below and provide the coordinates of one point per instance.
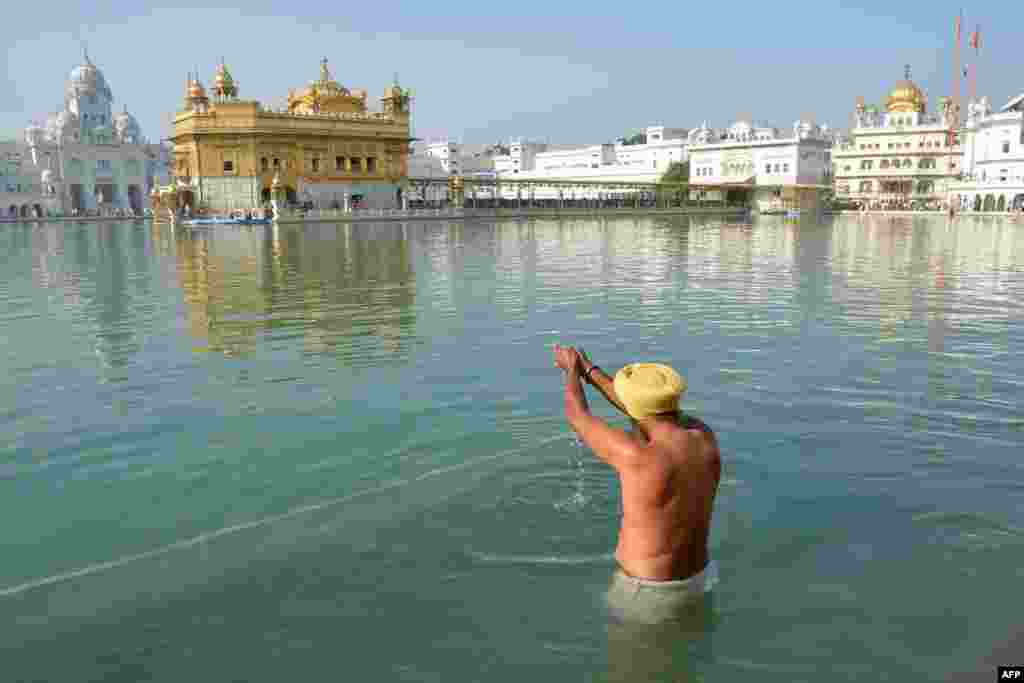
(325, 143)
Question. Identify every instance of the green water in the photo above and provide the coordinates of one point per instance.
(337, 452)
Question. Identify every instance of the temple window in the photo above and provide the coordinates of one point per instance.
(229, 167)
(884, 163)
(371, 164)
(1006, 148)
(357, 165)
(316, 165)
(907, 163)
(339, 163)
(277, 163)
(264, 163)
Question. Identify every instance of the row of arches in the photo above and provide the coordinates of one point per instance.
(24, 211)
(992, 202)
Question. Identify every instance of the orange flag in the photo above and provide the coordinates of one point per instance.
(976, 39)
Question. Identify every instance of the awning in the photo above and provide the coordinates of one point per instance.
(747, 182)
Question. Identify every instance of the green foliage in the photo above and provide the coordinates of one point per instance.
(635, 139)
(677, 172)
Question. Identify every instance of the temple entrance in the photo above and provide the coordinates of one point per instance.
(135, 198)
(77, 198)
(38, 210)
(106, 194)
(24, 210)
(186, 198)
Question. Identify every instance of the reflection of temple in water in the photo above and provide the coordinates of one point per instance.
(949, 272)
(346, 290)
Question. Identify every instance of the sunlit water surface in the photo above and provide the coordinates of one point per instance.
(337, 452)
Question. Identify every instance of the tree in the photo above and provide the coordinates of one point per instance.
(677, 172)
(674, 182)
(635, 139)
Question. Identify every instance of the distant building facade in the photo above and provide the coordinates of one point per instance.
(643, 163)
(993, 158)
(760, 165)
(84, 158)
(903, 157)
(326, 148)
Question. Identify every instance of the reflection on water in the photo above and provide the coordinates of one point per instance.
(223, 447)
(344, 290)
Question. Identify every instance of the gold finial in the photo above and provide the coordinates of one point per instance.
(325, 75)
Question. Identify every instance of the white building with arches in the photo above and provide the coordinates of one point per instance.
(84, 158)
(901, 158)
(993, 165)
(760, 165)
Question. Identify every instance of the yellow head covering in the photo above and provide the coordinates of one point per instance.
(648, 389)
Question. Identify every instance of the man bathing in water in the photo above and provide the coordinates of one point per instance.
(669, 467)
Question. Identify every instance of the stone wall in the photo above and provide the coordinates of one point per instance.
(230, 192)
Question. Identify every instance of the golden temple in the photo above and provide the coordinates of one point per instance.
(326, 147)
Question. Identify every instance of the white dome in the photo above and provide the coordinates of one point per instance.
(87, 79)
(35, 135)
(127, 128)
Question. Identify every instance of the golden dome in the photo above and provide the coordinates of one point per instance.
(905, 97)
(326, 96)
(196, 91)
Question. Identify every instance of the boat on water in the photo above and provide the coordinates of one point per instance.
(255, 217)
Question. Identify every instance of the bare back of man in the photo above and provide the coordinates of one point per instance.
(669, 467)
(668, 493)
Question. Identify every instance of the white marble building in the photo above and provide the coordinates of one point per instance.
(759, 161)
(993, 158)
(643, 163)
(456, 158)
(521, 157)
(83, 158)
(902, 157)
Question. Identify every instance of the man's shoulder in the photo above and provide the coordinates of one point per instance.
(691, 423)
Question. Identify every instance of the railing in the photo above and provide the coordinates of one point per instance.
(369, 214)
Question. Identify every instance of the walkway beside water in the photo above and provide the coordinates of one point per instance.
(366, 215)
(376, 215)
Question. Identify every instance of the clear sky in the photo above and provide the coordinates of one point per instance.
(565, 71)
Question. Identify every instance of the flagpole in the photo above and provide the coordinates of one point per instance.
(975, 43)
(958, 69)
